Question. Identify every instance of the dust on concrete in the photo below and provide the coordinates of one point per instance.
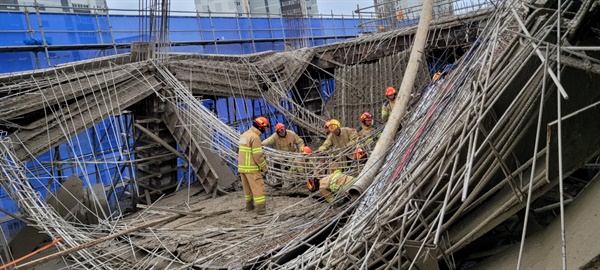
(222, 233)
(229, 209)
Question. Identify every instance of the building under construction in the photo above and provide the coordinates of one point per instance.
(127, 159)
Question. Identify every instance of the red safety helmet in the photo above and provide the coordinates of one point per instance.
(306, 150)
(313, 184)
(366, 116)
(333, 125)
(359, 153)
(390, 91)
(261, 121)
(279, 126)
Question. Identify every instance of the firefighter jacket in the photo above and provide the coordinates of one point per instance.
(302, 165)
(250, 154)
(347, 137)
(386, 109)
(332, 183)
(365, 131)
(287, 143)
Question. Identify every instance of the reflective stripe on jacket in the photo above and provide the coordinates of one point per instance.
(330, 184)
(250, 155)
(290, 143)
(302, 164)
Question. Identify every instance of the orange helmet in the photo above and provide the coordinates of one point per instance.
(261, 121)
(279, 126)
(359, 153)
(390, 91)
(366, 116)
(306, 150)
(436, 76)
(313, 184)
(333, 124)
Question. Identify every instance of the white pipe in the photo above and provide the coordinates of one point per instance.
(387, 136)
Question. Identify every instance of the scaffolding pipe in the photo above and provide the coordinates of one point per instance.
(387, 136)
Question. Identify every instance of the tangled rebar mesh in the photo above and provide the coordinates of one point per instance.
(16, 183)
(452, 154)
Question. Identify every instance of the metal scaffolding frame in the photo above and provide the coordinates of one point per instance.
(314, 30)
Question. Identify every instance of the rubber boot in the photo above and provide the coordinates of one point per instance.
(249, 205)
(261, 209)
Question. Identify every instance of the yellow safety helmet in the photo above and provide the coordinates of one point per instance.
(333, 124)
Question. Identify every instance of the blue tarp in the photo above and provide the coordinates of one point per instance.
(34, 41)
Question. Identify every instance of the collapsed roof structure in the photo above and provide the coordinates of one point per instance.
(470, 172)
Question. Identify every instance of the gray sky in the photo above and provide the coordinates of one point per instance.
(325, 6)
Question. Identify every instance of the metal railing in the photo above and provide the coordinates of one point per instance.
(397, 17)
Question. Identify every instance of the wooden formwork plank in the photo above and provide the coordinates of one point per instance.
(67, 196)
(210, 168)
(580, 144)
(494, 210)
(372, 90)
(36, 141)
(580, 139)
(159, 140)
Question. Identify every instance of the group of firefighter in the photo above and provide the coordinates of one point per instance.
(252, 164)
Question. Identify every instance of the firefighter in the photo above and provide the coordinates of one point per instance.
(329, 185)
(251, 162)
(366, 126)
(366, 130)
(339, 136)
(302, 164)
(284, 140)
(387, 107)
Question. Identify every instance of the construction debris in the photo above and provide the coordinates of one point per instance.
(461, 175)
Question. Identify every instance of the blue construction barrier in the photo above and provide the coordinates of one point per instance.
(64, 29)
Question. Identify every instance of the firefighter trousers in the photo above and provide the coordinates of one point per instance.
(254, 187)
